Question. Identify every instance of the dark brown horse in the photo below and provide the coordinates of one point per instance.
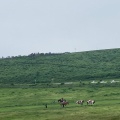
(64, 103)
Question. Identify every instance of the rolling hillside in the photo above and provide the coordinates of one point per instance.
(46, 68)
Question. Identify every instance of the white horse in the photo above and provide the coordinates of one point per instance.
(80, 102)
(90, 102)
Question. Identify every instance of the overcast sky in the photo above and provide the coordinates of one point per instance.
(32, 26)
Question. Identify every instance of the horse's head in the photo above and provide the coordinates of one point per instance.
(83, 101)
(76, 102)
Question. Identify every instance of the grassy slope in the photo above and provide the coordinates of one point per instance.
(61, 67)
(28, 104)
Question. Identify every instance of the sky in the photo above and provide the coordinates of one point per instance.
(57, 26)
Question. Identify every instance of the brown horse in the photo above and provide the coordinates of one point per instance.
(64, 103)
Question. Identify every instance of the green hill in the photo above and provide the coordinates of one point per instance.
(45, 68)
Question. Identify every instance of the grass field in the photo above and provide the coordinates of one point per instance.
(29, 103)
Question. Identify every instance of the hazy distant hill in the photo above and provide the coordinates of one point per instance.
(50, 67)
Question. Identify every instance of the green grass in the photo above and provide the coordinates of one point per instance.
(28, 103)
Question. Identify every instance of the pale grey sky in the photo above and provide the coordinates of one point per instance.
(31, 26)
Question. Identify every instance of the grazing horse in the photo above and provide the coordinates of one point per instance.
(91, 102)
(80, 102)
(64, 103)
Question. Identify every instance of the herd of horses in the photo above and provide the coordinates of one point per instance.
(63, 102)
